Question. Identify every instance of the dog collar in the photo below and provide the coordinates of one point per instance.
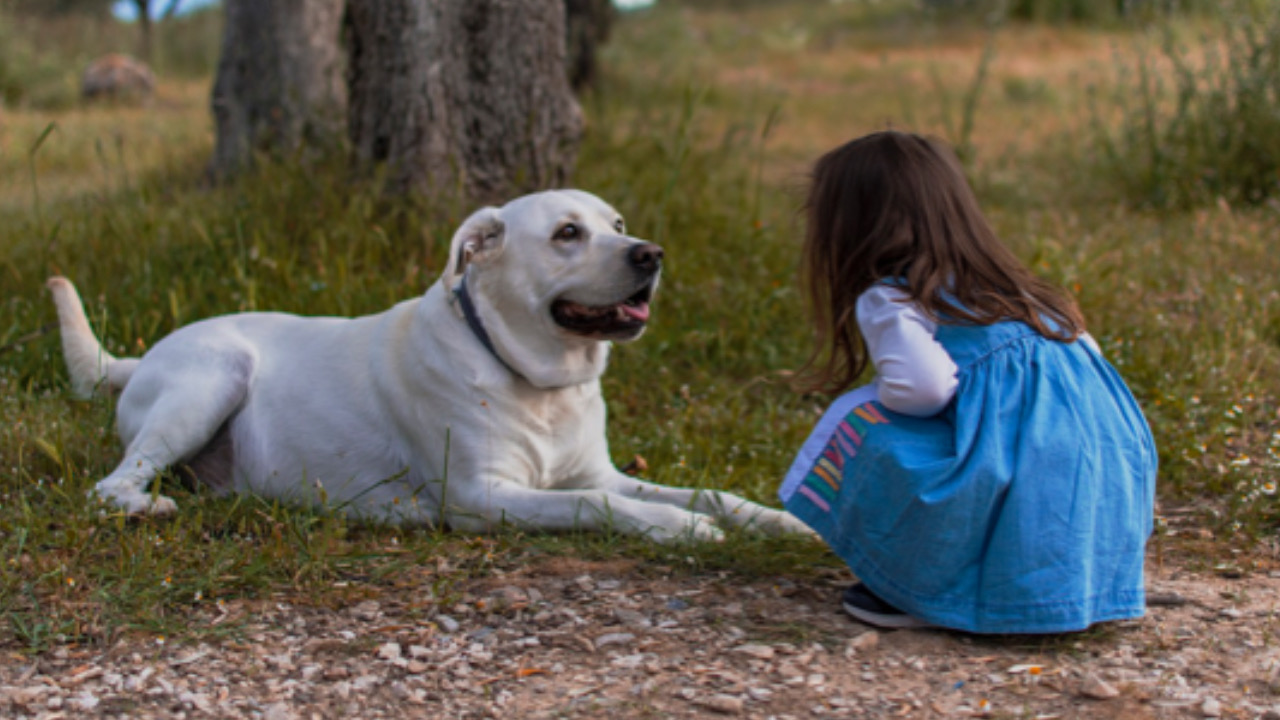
(463, 297)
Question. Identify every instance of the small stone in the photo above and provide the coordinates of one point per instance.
(614, 639)
(85, 701)
(760, 694)
(1165, 599)
(1097, 688)
(509, 598)
(677, 604)
(279, 711)
(389, 651)
(367, 610)
(417, 667)
(756, 650)
(631, 618)
(447, 623)
(865, 642)
(1211, 708)
(727, 704)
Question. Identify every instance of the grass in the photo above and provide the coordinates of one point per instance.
(710, 165)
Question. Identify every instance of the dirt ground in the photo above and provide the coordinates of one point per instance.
(569, 638)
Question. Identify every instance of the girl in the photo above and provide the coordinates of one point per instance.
(996, 476)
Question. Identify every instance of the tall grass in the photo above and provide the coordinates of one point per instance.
(1198, 120)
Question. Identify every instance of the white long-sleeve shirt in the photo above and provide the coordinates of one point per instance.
(914, 373)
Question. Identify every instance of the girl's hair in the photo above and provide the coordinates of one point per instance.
(894, 205)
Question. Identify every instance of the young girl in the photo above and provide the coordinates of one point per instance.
(996, 476)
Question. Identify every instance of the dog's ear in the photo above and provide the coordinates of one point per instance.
(478, 239)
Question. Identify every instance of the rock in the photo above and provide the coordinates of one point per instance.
(865, 642)
(279, 711)
(755, 650)
(1165, 599)
(1097, 688)
(509, 598)
(389, 651)
(447, 623)
(727, 704)
(631, 618)
(1211, 708)
(760, 694)
(117, 77)
(367, 610)
(614, 639)
(85, 701)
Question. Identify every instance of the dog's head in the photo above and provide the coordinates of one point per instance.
(555, 276)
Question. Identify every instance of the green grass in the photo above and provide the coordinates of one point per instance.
(701, 136)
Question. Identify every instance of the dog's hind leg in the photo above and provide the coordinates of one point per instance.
(167, 417)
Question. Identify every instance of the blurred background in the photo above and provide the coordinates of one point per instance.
(253, 156)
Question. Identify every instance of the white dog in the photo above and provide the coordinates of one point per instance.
(475, 405)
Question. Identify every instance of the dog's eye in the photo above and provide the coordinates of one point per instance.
(569, 231)
(620, 226)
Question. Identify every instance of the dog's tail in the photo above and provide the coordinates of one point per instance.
(88, 363)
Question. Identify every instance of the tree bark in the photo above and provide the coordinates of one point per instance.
(588, 25)
(144, 28)
(279, 82)
(462, 96)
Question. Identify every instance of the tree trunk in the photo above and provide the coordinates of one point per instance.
(144, 28)
(462, 96)
(588, 25)
(279, 83)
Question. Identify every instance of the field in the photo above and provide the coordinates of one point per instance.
(701, 133)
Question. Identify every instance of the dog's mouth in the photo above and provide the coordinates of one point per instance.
(620, 321)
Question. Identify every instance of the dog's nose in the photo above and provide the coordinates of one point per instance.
(646, 257)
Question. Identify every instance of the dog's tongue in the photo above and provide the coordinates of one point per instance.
(639, 311)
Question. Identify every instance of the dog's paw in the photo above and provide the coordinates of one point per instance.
(134, 503)
(776, 522)
(696, 528)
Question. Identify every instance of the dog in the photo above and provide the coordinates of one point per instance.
(475, 405)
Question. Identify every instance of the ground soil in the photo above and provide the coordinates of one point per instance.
(559, 637)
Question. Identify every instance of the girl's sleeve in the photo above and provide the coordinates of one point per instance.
(914, 373)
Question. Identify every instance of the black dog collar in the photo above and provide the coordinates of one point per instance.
(473, 322)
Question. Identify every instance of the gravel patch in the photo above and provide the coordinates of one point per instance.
(567, 638)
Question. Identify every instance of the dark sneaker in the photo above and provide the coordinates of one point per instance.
(863, 605)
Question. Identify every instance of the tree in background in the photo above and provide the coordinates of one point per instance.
(588, 23)
(145, 46)
(279, 79)
(452, 97)
(466, 96)
(59, 7)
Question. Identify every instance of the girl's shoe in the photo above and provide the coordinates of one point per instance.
(863, 605)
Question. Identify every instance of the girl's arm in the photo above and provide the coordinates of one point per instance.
(914, 373)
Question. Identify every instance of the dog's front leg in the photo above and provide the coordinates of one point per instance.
(483, 506)
(724, 506)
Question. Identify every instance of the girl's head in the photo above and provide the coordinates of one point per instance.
(897, 205)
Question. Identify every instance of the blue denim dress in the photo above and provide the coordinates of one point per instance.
(1023, 507)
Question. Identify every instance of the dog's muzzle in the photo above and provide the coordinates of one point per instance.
(623, 320)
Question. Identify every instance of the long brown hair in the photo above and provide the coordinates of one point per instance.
(895, 205)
